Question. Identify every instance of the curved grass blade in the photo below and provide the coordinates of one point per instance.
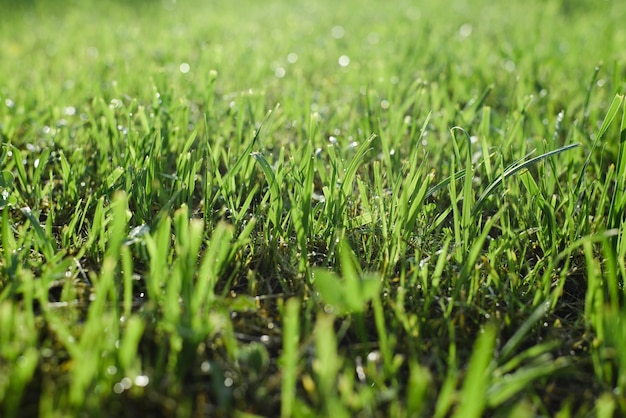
(515, 169)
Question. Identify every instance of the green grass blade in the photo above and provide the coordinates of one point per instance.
(472, 397)
(513, 170)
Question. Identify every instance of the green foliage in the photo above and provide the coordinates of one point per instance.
(351, 292)
(312, 209)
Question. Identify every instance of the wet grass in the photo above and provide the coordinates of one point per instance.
(312, 209)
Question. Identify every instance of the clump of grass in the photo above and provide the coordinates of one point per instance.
(347, 211)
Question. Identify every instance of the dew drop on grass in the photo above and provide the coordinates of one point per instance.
(337, 32)
(142, 381)
(205, 367)
(465, 30)
(373, 357)
(292, 58)
(384, 104)
(279, 72)
(228, 382)
(509, 66)
(344, 60)
(126, 383)
(184, 68)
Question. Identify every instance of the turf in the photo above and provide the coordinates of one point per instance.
(312, 208)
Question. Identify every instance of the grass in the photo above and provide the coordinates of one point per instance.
(312, 209)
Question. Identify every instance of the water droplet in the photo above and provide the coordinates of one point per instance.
(465, 30)
(384, 104)
(126, 383)
(142, 381)
(292, 58)
(374, 356)
(344, 60)
(279, 72)
(509, 66)
(184, 68)
(337, 32)
(205, 367)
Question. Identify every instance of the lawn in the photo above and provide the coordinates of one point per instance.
(331, 208)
